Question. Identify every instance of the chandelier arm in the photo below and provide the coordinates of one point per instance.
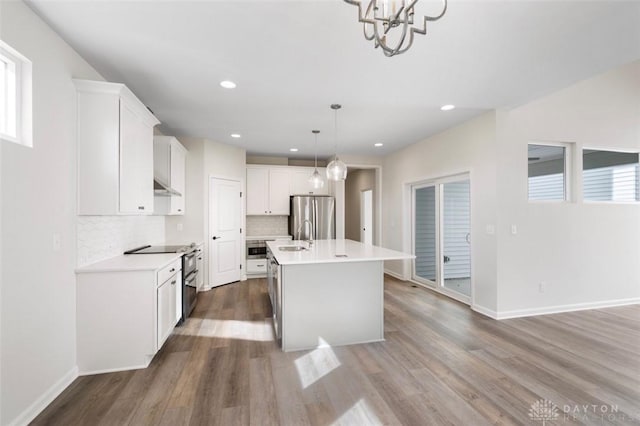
(371, 21)
(389, 51)
(426, 19)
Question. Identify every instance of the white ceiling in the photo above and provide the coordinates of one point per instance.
(292, 59)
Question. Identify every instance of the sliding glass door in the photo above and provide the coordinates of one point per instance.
(424, 233)
(441, 225)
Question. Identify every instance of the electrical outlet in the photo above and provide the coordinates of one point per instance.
(491, 229)
(179, 227)
(542, 286)
(514, 229)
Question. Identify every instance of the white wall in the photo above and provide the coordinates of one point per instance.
(586, 253)
(192, 221)
(38, 347)
(470, 147)
(205, 158)
(102, 237)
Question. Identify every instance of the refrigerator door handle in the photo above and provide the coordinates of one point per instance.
(314, 219)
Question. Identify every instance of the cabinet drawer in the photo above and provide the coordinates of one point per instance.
(171, 269)
(256, 266)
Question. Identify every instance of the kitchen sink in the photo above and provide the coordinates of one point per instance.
(292, 248)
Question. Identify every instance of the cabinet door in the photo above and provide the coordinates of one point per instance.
(166, 310)
(257, 191)
(279, 191)
(178, 297)
(178, 177)
(136, 163)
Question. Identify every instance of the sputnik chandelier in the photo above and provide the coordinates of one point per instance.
(390, 23)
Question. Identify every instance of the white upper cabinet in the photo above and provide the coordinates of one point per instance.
(115, 150)
(267, 190)
(169, 164)
(300, 181)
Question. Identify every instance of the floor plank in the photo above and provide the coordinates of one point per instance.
(441, 364)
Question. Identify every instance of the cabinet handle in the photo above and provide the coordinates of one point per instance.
(140, 207)
(215, 238)
(269, 211)
(265, 211)
(173, 282)
(199, 258)
(179, 210)
(172, 270)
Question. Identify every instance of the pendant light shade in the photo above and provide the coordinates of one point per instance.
(336, 170)
(315, 179)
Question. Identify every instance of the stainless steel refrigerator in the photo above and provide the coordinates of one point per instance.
(312, 215)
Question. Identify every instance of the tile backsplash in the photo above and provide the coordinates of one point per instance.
(267, 225)
(102, 237)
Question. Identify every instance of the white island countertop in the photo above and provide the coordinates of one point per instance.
(131, 262)
(332, 251)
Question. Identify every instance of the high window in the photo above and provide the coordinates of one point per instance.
(548, 171)
(15, 96)
(610, 176)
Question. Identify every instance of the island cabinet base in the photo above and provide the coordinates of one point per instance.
(331, 304)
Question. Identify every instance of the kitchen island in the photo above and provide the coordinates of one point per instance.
(327, 294)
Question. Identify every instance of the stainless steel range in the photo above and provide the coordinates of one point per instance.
(189, 272)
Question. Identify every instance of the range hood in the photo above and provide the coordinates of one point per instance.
(164, 190)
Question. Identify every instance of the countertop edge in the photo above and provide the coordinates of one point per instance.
(88, 269)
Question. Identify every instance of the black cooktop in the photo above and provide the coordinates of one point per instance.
(158, 249)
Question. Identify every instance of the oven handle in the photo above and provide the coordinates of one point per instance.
(191, 278)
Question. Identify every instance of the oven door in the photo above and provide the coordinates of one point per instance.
(189, 263)
(189, 294)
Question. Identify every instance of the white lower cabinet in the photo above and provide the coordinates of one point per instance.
(125, 316)
(166, 309)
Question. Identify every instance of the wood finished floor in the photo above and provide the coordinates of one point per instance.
(441, 364)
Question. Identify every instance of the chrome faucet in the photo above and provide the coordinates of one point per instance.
(304, 222)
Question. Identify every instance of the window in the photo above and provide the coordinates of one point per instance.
(547, 172)
(610, 176)
(15, 96)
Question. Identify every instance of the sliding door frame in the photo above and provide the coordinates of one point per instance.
(438, 285)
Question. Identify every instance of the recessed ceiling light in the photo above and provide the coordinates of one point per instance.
(378, 144)
(447, 107)
(293, 149)
(228, 84)
(236, 135)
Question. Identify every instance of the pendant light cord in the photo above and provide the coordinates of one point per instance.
(315, 163)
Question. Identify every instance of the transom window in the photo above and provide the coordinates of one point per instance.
(547, 172)
(15, 96)
(610, 176)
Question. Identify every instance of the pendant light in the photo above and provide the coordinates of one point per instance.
(336, 170)
(315, 179)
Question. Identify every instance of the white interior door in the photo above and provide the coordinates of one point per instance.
(225, 240)
(366, 216)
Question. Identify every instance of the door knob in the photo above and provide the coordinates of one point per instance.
(215, 238)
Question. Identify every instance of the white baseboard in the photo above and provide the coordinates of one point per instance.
(115, 370)
(394, 275)
(45, 399)
(485, 311)
(519, 313)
